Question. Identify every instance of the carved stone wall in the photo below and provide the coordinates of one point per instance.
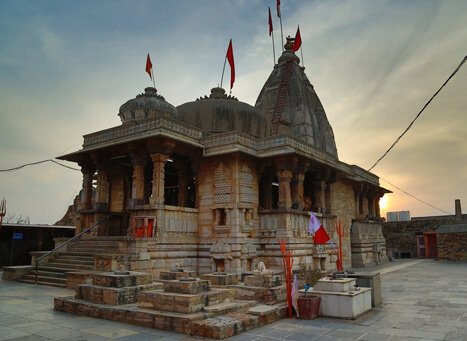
(368, 244)
(343, 206)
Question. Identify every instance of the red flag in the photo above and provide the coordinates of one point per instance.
(149, 66)
(270, 22)
(320, 236)
(230, 58)
(298, 40)
(278, 7)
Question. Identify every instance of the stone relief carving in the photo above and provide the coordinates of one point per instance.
(222, 187)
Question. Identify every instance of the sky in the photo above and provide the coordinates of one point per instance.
(67, 66)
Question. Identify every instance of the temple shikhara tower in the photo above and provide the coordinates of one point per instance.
(215, 184)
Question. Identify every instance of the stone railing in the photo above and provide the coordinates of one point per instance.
(281, 224)
(143, 129)
(180, 220)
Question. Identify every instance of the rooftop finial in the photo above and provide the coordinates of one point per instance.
(289, 44)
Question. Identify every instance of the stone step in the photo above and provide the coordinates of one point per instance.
(45, 273)
(93, 251)
(183, 303)
(44, 279)
(50, 284)
(68, 266)
(74, 255)
(221, 308)
(72, 261)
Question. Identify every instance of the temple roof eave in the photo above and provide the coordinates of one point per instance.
(216, 144)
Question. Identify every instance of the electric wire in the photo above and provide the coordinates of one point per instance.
(419, 113)
(413, 196)
(37, 163)
(373, 166)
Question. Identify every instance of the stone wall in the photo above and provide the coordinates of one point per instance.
(343, 206)
(368, 244)
(452, 242)
(400, 236)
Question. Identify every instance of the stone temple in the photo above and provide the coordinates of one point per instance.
(214, 184)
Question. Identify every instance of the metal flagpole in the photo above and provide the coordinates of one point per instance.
(301, 52)
(152, 73)
(273, 49)
(223, 69)
(282, 36)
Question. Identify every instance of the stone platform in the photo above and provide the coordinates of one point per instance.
(221, 278)
(116, 288)
(184, 303)
(265, 289)
(187, 305)
(341, 298)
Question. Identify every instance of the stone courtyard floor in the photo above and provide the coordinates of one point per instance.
(423, 300)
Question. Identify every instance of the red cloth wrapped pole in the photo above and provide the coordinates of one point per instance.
(287, 260)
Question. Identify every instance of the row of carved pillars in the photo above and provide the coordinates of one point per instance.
(138, 162)
(366, 202)
(291, 178)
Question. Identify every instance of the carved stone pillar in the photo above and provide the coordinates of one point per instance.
(158, 177)
(266, 190)
(321, 195)
(102, 195)
(371, 205)
(86, 193)
(285, 198)
(297, 191)
(183, 177)
(377, 208)
(137, 187)
(357, 201)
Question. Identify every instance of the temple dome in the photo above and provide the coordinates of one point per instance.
(292, 106)
(221, 113)
(148, 105)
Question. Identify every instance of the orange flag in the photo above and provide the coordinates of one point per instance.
(149, 66)
(230, 58)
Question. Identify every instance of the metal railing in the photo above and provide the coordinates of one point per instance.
(64, 244)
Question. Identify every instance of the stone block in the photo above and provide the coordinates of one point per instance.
(263, 281)
(261, 310)
(264, 295)
(73, 279)
(113, 296)
(183, 303)
(370, 280)
(121, 280)
(187, 287)
(349, 305)
(12, 273)
(221, 278)
(335, 285)
(173, 275)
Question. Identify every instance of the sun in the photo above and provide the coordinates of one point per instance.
(383, 202)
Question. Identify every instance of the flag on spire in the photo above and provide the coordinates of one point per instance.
(270, 22)
(298, 40)
(230, 58)
(149, 66)
(320, 236)
(278, 7)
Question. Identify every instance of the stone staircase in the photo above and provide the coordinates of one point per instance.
(78, 256)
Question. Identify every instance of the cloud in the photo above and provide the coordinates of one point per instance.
(66, 67)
